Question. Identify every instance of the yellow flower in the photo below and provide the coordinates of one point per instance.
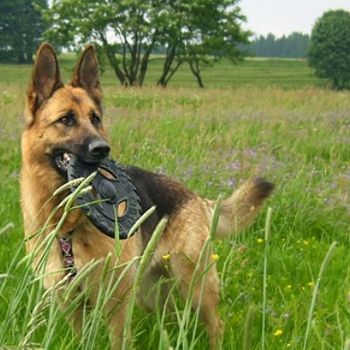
(306, 242)
(278, 332)
(259, 240)
(166, 257)
(215, 257)
(289, 286)
(311, 284)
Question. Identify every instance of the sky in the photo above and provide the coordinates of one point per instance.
(286, 16)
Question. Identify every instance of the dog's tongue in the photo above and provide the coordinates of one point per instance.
(113, 194)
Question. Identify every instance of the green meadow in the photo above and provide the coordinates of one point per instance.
(270, 118)
(286, 73)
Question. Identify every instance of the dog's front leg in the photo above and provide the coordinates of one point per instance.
(116, 320)
(75, 311)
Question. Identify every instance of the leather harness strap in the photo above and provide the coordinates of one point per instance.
(67, 255)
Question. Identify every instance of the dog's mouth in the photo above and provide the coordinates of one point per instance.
(61, 161)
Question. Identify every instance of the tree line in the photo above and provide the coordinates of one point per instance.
(295, 45)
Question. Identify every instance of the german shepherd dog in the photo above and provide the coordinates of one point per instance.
(64, 119)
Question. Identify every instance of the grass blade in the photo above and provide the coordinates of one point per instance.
(267, 235)
(315, 292)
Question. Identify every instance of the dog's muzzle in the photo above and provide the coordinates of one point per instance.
(90, 151)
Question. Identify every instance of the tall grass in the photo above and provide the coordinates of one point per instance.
(211, 140)
(43, 311)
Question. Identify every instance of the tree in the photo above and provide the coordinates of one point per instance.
(21, 28)
(128, 31)
(329, 52)
(201, 32)
(120, 28)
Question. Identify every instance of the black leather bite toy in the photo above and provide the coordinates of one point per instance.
(112, 193)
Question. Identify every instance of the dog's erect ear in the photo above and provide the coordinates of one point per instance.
(45, 80)
(86, 74)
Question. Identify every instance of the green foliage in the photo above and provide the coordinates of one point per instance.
(21, 28)
(330, 48)
(191, 31)
(295, 45)
(201, 32)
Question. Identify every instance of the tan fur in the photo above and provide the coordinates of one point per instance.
(185, 234)
(240, 209)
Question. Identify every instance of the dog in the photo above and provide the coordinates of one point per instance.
(63, 119)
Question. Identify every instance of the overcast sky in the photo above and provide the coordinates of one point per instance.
(286, 16)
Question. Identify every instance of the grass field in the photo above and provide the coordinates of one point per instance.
(286, 73)
(211, 140)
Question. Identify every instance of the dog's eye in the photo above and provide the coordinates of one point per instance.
(96, 120)
(67, 120)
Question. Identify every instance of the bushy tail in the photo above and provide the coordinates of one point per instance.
(240, 209)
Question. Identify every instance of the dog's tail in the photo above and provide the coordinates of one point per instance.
(240, 209)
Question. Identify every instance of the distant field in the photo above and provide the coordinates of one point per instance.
(286, 73)
(211, 140)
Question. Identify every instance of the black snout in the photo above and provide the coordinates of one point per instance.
(98, 149)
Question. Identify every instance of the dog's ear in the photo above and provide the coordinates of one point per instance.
(86, 74)
(45, 80)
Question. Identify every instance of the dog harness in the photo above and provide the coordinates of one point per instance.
(113, 197)
(65, 244)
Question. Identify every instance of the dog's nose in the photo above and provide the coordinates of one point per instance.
(99, 149)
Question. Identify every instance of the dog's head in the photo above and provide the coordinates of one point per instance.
(64, 119)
